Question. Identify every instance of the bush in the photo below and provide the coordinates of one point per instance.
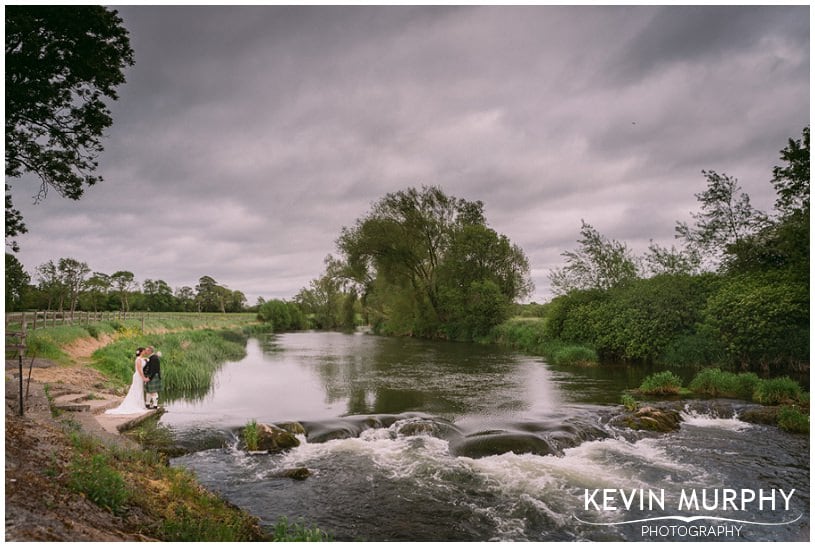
(793, 420)
(778, 391)
(661, 383)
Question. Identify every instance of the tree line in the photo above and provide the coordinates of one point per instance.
(69, 285)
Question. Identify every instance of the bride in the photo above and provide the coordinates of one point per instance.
(134, 401)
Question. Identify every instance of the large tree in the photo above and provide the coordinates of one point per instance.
(62, 63)
(427, 260)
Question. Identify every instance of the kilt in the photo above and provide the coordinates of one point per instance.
(154, 385)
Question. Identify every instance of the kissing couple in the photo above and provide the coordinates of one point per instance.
(146, 378)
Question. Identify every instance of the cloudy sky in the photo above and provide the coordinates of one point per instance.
(245, 138)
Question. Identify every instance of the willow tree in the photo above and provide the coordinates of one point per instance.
(404, 255)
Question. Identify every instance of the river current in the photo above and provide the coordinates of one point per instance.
(411, 440)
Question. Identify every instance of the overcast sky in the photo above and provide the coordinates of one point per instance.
(245, 138)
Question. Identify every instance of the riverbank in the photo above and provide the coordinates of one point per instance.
(71, 476)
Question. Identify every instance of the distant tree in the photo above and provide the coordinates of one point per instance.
(50, 283)
(61, 63)
(726, 221)
(97, 289)
(185, 296)
(17, 281)
(73, 274)
(597, 264)
(158, 295)
(124, 282)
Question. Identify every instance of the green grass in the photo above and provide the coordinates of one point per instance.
(718, 383)
(298, 531)
(793, 420)
(778, 391)
(94, 477)
(250, 435)
(661, 383)
(629, 402)
(574, 355)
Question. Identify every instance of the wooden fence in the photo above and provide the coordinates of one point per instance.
(41, 319)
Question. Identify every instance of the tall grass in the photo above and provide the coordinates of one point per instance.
(527, 334)
(661, 383)
(718, 383)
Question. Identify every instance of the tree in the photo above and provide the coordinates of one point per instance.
(17, 281)
(661, 260)
(62, 62)
(405, 237)
(124, 282)
(597, 264)
(97, 290)
(726, 221)
(50, 283)
(791, 181)
(158, 295)
(73, 275)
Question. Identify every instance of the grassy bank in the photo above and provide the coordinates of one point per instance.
(527, 334)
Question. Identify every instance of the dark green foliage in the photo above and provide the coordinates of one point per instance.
(62, 63)
(762, 321)
(661, 383)
(427, 265)
(283, 316)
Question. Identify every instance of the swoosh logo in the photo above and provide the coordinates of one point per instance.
(688, 519)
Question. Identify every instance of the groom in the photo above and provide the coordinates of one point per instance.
(153, 371)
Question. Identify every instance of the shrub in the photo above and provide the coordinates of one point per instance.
(793, 420)
(777, 391)
(661, 383)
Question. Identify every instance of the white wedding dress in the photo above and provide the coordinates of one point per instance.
(134, 401)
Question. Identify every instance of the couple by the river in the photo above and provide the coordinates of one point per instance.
(146, 379)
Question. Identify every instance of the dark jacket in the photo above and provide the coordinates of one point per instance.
(153, 367)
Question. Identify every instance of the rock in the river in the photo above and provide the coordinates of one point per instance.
(499, 442)
(275, 439)
(650, 418)
(296, 473)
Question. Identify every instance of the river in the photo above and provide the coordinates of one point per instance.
(412, 440)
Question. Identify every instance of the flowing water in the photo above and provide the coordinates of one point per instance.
(411, 440)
